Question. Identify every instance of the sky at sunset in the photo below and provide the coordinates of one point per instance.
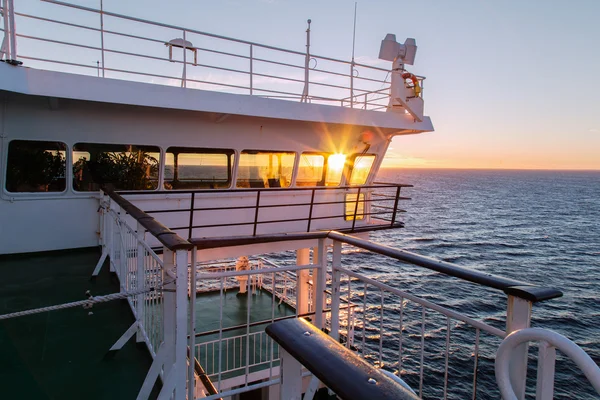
(510, 84)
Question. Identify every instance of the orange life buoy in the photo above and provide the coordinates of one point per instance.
(415, 81)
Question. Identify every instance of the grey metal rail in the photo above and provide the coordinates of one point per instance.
(512, 287)
(340, 369)
(166, 236)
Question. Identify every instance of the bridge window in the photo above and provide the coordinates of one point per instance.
(35, 166)
(195, 168)
(317, 169)
(265, 169)
(310, 170)
(361, 168)
(122, 167)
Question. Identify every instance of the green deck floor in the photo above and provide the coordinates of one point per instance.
(62, 354)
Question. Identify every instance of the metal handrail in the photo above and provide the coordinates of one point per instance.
(355, 92)
(513, 287)
(549, 342)
(257, 206)
(167, 237)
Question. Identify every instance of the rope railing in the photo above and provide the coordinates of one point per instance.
(86, 304)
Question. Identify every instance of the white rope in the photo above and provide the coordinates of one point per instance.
(83, 303)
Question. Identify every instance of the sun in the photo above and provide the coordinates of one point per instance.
(336, 162)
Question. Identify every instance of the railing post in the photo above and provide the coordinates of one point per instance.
(396, 205)
(13, 29)
(545, 371)
(140, 281)
(518, 316)
(181, 319)
(304, 97)
(256, 212)
(169, 311)
(320, 278)
(117, 249)
(184, 76)
(352, 84)
(302, 258)
(335, 289)
(102, 34)
(310, 211)
(192, 203)
(251, 69)
(365, 101)
(356, 208)
(291, 377)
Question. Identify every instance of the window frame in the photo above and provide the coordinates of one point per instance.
(350, 167)
(160, 163)
(232, 158)
(4, 169)
(255, 151)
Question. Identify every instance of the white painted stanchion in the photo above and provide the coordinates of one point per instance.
(336, 285)
(192, 328)
(291, 377)
(181, 319)
(302, 258)
(140, 281)
(518, 316)
(321, 278)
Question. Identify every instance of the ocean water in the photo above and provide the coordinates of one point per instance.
(541, 227)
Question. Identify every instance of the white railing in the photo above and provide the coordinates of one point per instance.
(137, 266)
(131, 48)
(161, 309)
(391, 327)
(236, 357)
(548, 343)
(262, 352)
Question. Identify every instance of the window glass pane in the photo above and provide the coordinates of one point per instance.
(35, 166)
(190, 168)
(335, 168)
(262, 169)
(361, 168)
(310, 170)
(352, 205)
(122, 167)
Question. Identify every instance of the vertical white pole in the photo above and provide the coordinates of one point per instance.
(518, 316)
(291, 377)
(336, 285)
(13, 30)
(102, 34)
(251, 70)
(169, 311)
(320, 278)
(304, 97)
(192, 327)
(6, 40)
(181, 319)
(140, 282)
(545, 371)
(184, 77)
(302, 258)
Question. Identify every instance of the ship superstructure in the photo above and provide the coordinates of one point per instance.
(189, 184)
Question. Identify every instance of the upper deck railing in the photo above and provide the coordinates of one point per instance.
(97, 42)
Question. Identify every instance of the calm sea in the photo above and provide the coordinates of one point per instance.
(538, 226)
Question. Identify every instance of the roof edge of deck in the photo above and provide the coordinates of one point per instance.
(35, 82)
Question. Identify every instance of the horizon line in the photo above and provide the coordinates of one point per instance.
(494, 168)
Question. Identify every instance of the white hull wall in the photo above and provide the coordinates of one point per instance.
(51, 221)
